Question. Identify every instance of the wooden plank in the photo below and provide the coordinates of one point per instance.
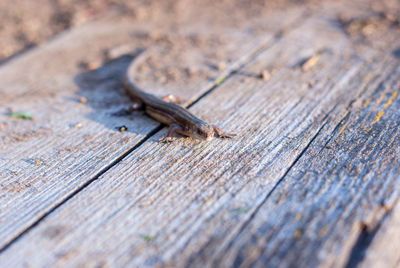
(350, 171)
(211, 204)
(318, 212)
(45, 161)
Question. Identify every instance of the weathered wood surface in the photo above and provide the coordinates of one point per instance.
(315, 165)
(69, 143)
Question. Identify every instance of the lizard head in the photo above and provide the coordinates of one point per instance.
(203, 131)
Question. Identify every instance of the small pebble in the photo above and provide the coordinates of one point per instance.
(89, 66)
(221, 66)
(122, 128)
(265, 75)
(93, 65)
(308, 64)
(82, 100)
(191, 70)
(78, 125)
(38, 163)
(311, 83)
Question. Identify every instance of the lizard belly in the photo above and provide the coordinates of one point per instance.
(159, 116)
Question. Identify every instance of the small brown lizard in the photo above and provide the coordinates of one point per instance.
(178, 118)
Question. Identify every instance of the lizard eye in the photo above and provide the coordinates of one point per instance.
(199, 132)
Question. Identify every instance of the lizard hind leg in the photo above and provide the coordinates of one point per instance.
(136, 106)
(173, 99)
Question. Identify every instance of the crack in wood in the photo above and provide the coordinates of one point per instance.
(253, 214)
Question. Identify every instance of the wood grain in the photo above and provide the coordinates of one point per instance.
(348, 171)
(314, 156)
(45, 161)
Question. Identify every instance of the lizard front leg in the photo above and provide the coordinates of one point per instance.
(174, 128)
(222, 134)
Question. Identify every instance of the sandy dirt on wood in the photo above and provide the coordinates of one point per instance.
(26, 23)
